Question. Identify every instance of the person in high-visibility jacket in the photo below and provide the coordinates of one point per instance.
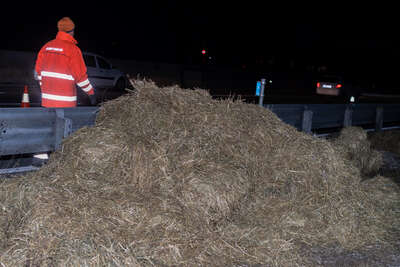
(60, 66)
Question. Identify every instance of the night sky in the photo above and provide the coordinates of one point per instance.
(360, 38)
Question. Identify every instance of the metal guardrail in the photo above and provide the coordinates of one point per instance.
(314, 117)
(36, 130)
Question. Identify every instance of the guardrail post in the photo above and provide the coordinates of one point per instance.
(270, 107)
(348, 116)
(63, 127)
(261, 99)
(379, 119)
(307, 121)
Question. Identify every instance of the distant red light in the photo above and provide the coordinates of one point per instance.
(318, 85)
(339, 86)
(203, 51)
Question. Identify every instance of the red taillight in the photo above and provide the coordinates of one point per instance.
(318, 85)
(338, 85)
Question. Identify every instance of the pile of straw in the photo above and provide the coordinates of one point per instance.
(171, 177)
(354, 146)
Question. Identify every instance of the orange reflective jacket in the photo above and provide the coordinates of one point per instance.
(60, 66)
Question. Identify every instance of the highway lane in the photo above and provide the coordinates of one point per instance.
(11, 96)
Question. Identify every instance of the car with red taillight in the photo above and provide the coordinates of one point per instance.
(329, 85)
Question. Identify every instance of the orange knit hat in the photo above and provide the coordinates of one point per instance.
(65, 24)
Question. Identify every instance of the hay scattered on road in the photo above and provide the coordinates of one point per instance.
(171, 177)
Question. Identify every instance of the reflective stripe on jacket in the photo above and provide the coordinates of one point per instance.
(60, 66)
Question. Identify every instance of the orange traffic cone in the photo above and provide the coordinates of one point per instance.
(25, 98)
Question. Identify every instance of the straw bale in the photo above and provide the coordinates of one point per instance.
(172, 177)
